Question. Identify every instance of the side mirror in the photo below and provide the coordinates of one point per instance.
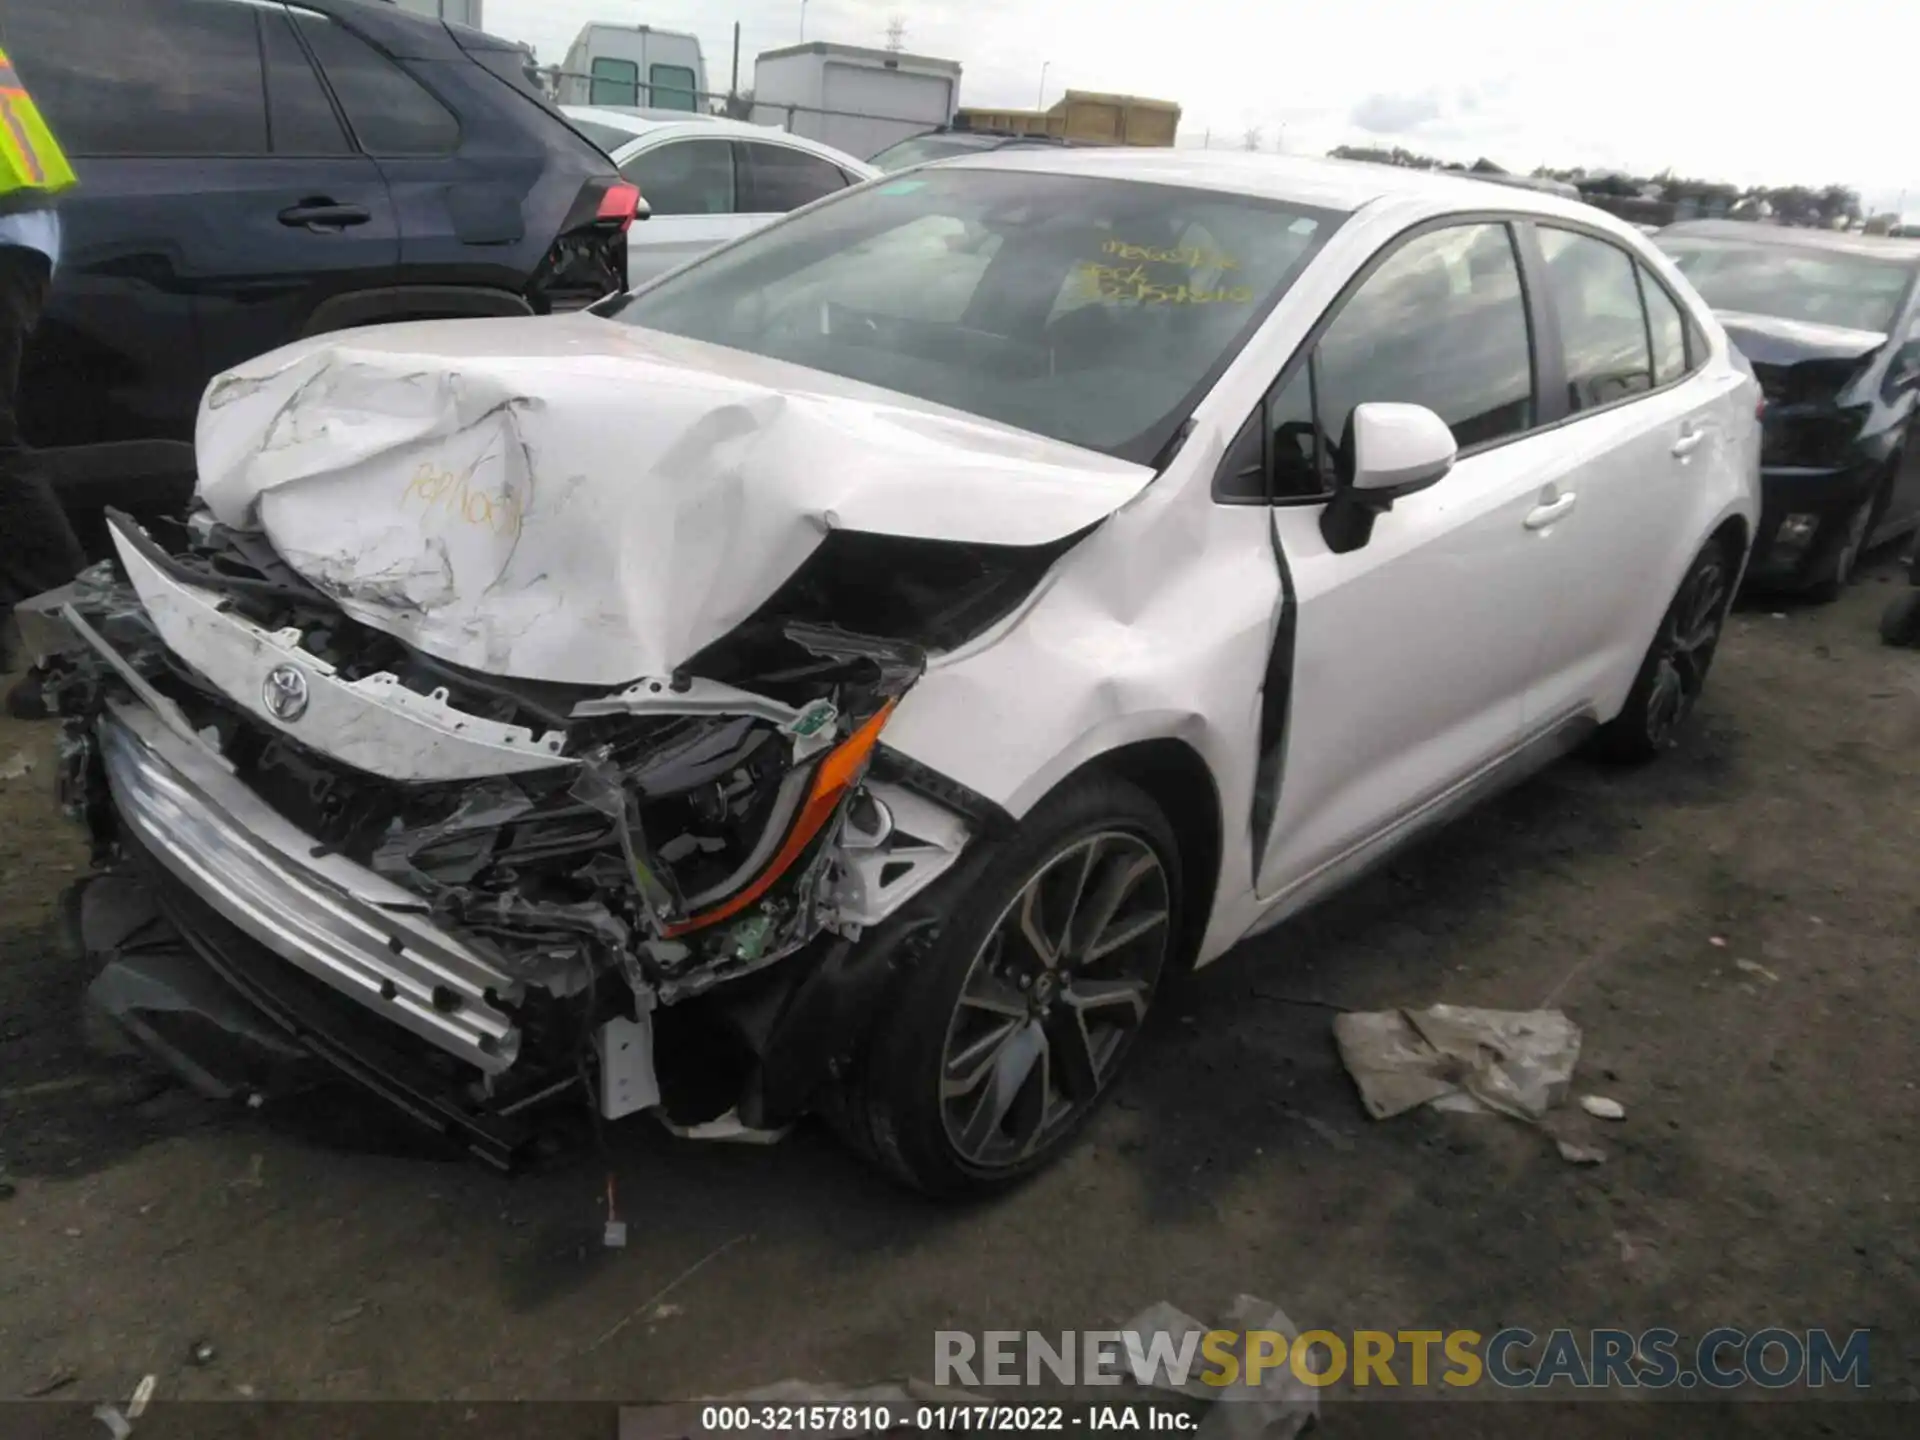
(1396, 449)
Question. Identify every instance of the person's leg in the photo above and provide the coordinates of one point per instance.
(38, 549)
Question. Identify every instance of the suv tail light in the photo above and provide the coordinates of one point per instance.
(588, 259)
(621, 203)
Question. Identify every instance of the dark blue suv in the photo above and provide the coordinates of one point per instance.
(251, 173)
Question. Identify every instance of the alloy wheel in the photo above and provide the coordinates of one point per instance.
(1053, 998)
(1686, 650)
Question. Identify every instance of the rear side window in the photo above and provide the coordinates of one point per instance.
(685, 177)
(670, 87)
(779, 178)
(613, 82)
(1666, 327)
(143, 77)
(392, 113)
(1441, 324)
(1603, 328)
(299, 114)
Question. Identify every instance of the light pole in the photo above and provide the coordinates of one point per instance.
(1040, 102)
(803, 19)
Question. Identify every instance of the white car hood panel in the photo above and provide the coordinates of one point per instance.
(576, 500)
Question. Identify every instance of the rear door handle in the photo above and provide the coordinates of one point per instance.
(318, 214)
(1688, 442)
(1542, 516)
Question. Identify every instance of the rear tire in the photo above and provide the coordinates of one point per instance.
(990, 1057)
(1674, 671)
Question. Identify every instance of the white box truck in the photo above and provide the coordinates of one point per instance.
(854, 99)
(636, 66)
(460, 12)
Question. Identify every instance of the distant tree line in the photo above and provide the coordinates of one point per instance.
(1826, 206)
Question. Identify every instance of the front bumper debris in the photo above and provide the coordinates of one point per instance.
(342, 924)
(1830, 495)
(474, 895)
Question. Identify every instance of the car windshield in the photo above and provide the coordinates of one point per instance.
(1818, 287)
(1094, 311)
(923, 148)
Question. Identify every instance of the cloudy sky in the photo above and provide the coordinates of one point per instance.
(1719, 89)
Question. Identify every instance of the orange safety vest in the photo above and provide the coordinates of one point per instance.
(30, 158)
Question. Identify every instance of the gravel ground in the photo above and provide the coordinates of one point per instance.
(1734, 928)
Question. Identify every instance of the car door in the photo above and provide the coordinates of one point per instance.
(1640, 434)
(776, 178)
(459, 199)
(195, 126)
(1412, 655)
(286, 232)
(689, 185)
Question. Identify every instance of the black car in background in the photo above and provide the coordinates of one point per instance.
(1831, 324)
(251, 173)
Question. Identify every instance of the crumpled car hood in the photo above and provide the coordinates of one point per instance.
(572, 500)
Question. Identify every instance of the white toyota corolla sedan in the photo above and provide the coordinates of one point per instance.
(851, 674)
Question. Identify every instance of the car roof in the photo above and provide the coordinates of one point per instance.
(1341, 185)
(647, 124)
(1840, 242)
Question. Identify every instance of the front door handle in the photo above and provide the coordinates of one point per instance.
(325, 215)
(1542, 516)
(1688, 442)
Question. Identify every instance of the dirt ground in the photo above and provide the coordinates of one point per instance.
(1734, 928)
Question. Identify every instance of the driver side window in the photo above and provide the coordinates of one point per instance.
(1442, 322)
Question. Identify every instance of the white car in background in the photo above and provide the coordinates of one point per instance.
(706, 179)
(849, 674)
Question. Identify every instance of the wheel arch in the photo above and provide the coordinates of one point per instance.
(1735, 533)
(1178, 780)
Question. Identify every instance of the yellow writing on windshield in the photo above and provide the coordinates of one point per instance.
(1124, 283)
(1192, 257)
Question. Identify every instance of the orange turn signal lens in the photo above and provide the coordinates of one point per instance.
(836, 775)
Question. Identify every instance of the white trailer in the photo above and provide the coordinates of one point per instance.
(460, 12)
(636, 66)
(854, 99)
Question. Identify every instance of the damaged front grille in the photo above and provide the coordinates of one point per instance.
(680, 830)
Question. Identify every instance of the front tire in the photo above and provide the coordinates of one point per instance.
(1674, 671)
(1003, 1039)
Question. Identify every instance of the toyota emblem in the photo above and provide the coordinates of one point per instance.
(285, 694)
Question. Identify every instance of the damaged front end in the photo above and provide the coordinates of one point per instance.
(477, 895)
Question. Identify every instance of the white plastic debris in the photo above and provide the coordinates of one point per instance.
(16, 768)
(1576, 1154)
(727, 1127)
(1754, 967)
(1517, 1062)
(1279, 1407)
(1601, 1108)
(142, 1394)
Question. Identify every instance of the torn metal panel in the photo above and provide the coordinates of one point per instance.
(491, 493)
